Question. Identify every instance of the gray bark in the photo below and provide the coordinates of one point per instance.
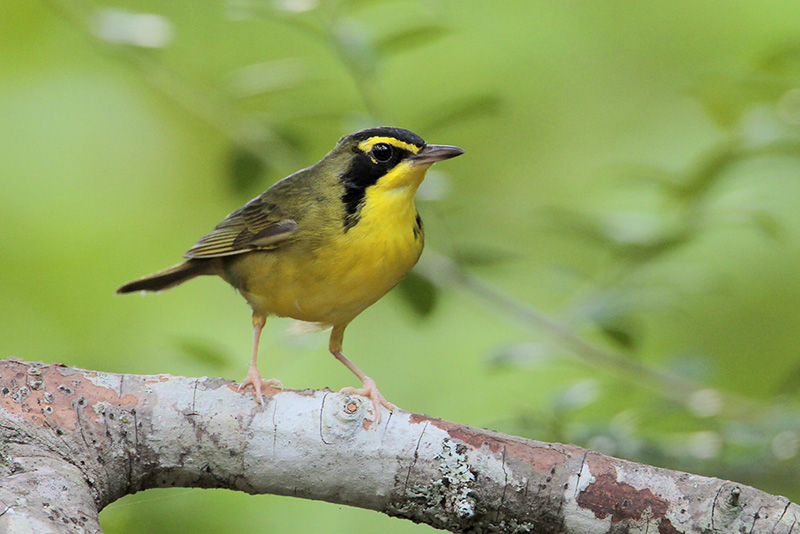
(72, 441)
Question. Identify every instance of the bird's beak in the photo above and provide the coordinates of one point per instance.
(433, 153)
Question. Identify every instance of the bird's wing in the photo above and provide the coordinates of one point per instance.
(256, 226)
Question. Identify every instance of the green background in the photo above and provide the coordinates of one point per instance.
(632, 171)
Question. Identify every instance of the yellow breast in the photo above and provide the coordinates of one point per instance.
(336, 280)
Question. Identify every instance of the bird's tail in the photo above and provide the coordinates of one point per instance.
(168, 278)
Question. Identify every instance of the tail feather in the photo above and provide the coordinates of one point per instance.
(168, 278)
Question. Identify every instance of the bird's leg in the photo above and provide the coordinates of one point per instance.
(369, 389)
(253, 377)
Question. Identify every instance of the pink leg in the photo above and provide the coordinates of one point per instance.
(253, 377)
(369, 389)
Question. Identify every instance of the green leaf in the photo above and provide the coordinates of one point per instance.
(266, 77)
(614, 313)
(633, 228)
(636, 236)
(644, 173)
(458, 111)
(783, 60)
(354, 43)
(482, 256)
(267, 153)
(295, 6)
(529, 356)
(697, 367)
(722, 100)
(352, 6)
(621, 333)
(790, 384)
(203, 352)
(726, 98)
(419, 293)
(576, 396)
(245, 169)
(568, 221)
(767, 223)
(410, 38)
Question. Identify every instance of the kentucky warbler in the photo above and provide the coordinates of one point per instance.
(322, 244)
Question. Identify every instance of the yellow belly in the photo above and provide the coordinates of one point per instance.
(334, 281)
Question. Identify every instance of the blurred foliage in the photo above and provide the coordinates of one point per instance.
(613, 263)
(717, 433)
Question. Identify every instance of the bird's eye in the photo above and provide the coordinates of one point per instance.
(382, 152)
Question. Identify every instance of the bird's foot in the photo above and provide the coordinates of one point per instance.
(370, 390)
(254, 379)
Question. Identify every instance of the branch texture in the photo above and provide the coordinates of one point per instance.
(73, 441)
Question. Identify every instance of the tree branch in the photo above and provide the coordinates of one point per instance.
(73, 441)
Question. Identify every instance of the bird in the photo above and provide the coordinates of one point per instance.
(322, 244)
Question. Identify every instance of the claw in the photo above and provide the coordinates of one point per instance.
(254, 379)
(370, 390)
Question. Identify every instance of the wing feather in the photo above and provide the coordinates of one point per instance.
(256, 226)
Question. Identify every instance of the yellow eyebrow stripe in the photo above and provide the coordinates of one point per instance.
(367, 144)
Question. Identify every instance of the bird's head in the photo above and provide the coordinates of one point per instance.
(383, 160)
(389, 158)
